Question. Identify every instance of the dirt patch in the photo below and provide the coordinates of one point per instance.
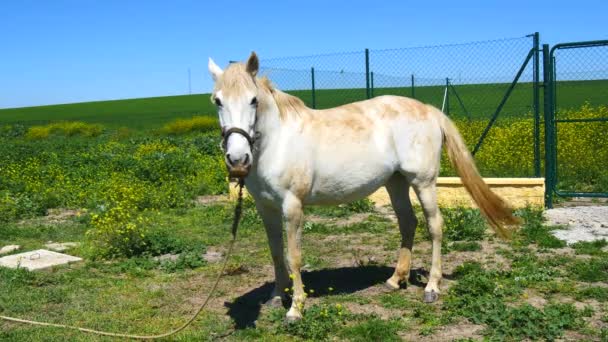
(210, 199)
(449, 333)
(582, 201)
(371, 309)
(583, 223)
(340, 222)
(55, 216)
(388, 212)
(534, 299)
(60, 215)
(487, 255)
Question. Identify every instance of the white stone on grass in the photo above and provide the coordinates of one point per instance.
(37, 260)
(9, 248)
(60, 247)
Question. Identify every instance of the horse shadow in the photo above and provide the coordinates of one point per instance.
(246, 309)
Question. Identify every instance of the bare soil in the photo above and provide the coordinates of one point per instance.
(581, 223)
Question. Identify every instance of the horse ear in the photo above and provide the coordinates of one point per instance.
(214, 70)
(253, 64)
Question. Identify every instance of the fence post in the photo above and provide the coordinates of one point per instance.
(502, 102)
(371, 74)
(367, 89)
(413, 94)
(536, 94)
(314, 99)
(548, 113)
(447, 96)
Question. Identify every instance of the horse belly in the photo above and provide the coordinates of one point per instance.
(336, 183)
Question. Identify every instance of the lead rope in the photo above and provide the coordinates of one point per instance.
(235, 223)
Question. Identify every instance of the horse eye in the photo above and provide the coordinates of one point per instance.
(254, 101)
(218, 102)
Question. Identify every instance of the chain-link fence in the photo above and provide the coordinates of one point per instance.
(577, 91)
(479, 73)
(480, 85)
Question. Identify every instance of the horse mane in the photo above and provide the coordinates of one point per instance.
(235, 79)
(289, 105)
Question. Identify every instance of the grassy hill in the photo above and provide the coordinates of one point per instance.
(133, 113)
(480, 101)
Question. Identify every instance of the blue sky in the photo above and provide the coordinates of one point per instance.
(72, 51)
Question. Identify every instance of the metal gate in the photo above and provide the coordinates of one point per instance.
(576, 119)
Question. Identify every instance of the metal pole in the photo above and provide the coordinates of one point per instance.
(548, 113)
(413, 94)
(464, 108)
(554, 132)
(367, 89)
(314, 99)
(502, 102)
(536, 94)
(372, 82)
(447, 96)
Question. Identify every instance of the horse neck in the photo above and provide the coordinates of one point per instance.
(268, 121)
(271, 122)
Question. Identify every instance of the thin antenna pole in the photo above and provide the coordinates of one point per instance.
(189, 82)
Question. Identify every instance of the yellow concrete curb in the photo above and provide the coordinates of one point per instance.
(518, 192)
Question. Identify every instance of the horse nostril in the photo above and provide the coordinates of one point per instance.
(228, 159)
(246, 159)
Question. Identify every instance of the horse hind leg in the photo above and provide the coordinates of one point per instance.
(427, 195)
(398, 190)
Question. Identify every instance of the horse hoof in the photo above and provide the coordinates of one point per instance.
(430, 296)
(391, 285)
(290, 319)
(274, 302)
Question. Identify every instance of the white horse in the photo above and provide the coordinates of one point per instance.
(290, 155)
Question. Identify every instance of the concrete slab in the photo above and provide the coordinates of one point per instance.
(61, 247)
(37, 260)
(9, 248)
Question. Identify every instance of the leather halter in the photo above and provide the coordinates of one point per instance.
(227, 132)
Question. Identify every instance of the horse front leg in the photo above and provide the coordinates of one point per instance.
(292, 212)
(273, 223)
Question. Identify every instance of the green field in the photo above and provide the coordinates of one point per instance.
(480, 100)
(141, 113)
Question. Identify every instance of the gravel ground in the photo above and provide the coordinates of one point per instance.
(584, 223)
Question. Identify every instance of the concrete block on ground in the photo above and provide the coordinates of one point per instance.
(9, 248)
(37, 260)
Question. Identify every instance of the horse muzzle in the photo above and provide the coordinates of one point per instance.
(238, 171)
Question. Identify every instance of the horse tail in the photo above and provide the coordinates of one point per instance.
(494, 208)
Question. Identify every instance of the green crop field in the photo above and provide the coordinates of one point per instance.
(480, 101)
(141, 113)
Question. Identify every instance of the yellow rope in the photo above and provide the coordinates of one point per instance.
(235, 223)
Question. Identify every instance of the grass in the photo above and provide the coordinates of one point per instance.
(137, 114)
(143, 295)
(373, 329)
(590, 247)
